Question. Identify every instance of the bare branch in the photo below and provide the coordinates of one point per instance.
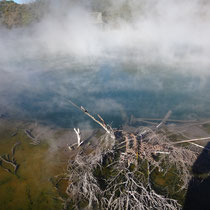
(107, 128)
(164, 119)
(78, 133)
(133, 120)
(191, 140)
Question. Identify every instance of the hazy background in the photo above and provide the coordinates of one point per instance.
(23, 1)
(146, 58)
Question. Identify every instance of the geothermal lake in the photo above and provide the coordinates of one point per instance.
(112, 88)
(38, 91)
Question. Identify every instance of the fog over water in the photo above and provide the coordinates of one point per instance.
(155, 61)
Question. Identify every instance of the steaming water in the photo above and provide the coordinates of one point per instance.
(157, 61)
(113, 88)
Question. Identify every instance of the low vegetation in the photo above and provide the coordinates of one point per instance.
(17, 15)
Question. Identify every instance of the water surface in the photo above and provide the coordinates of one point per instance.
(116, 89)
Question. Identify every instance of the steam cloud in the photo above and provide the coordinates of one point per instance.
(167, 33)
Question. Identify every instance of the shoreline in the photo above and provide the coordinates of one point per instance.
(51, 156)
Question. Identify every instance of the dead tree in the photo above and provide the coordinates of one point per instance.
(78, 133)
(102, 123)
(123, 189)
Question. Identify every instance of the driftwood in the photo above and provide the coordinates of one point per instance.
(123, 189)
(198, 145)
(161, 152)
(148, 122)
(79, 143)
(132, 148)
(191, 140)
(78, 133)
(106, 127)
(133, 120)
(164, 119)
(192, 143)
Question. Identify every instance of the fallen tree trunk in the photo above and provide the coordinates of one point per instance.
(191, 140)
(164, 119)
(133, 120)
